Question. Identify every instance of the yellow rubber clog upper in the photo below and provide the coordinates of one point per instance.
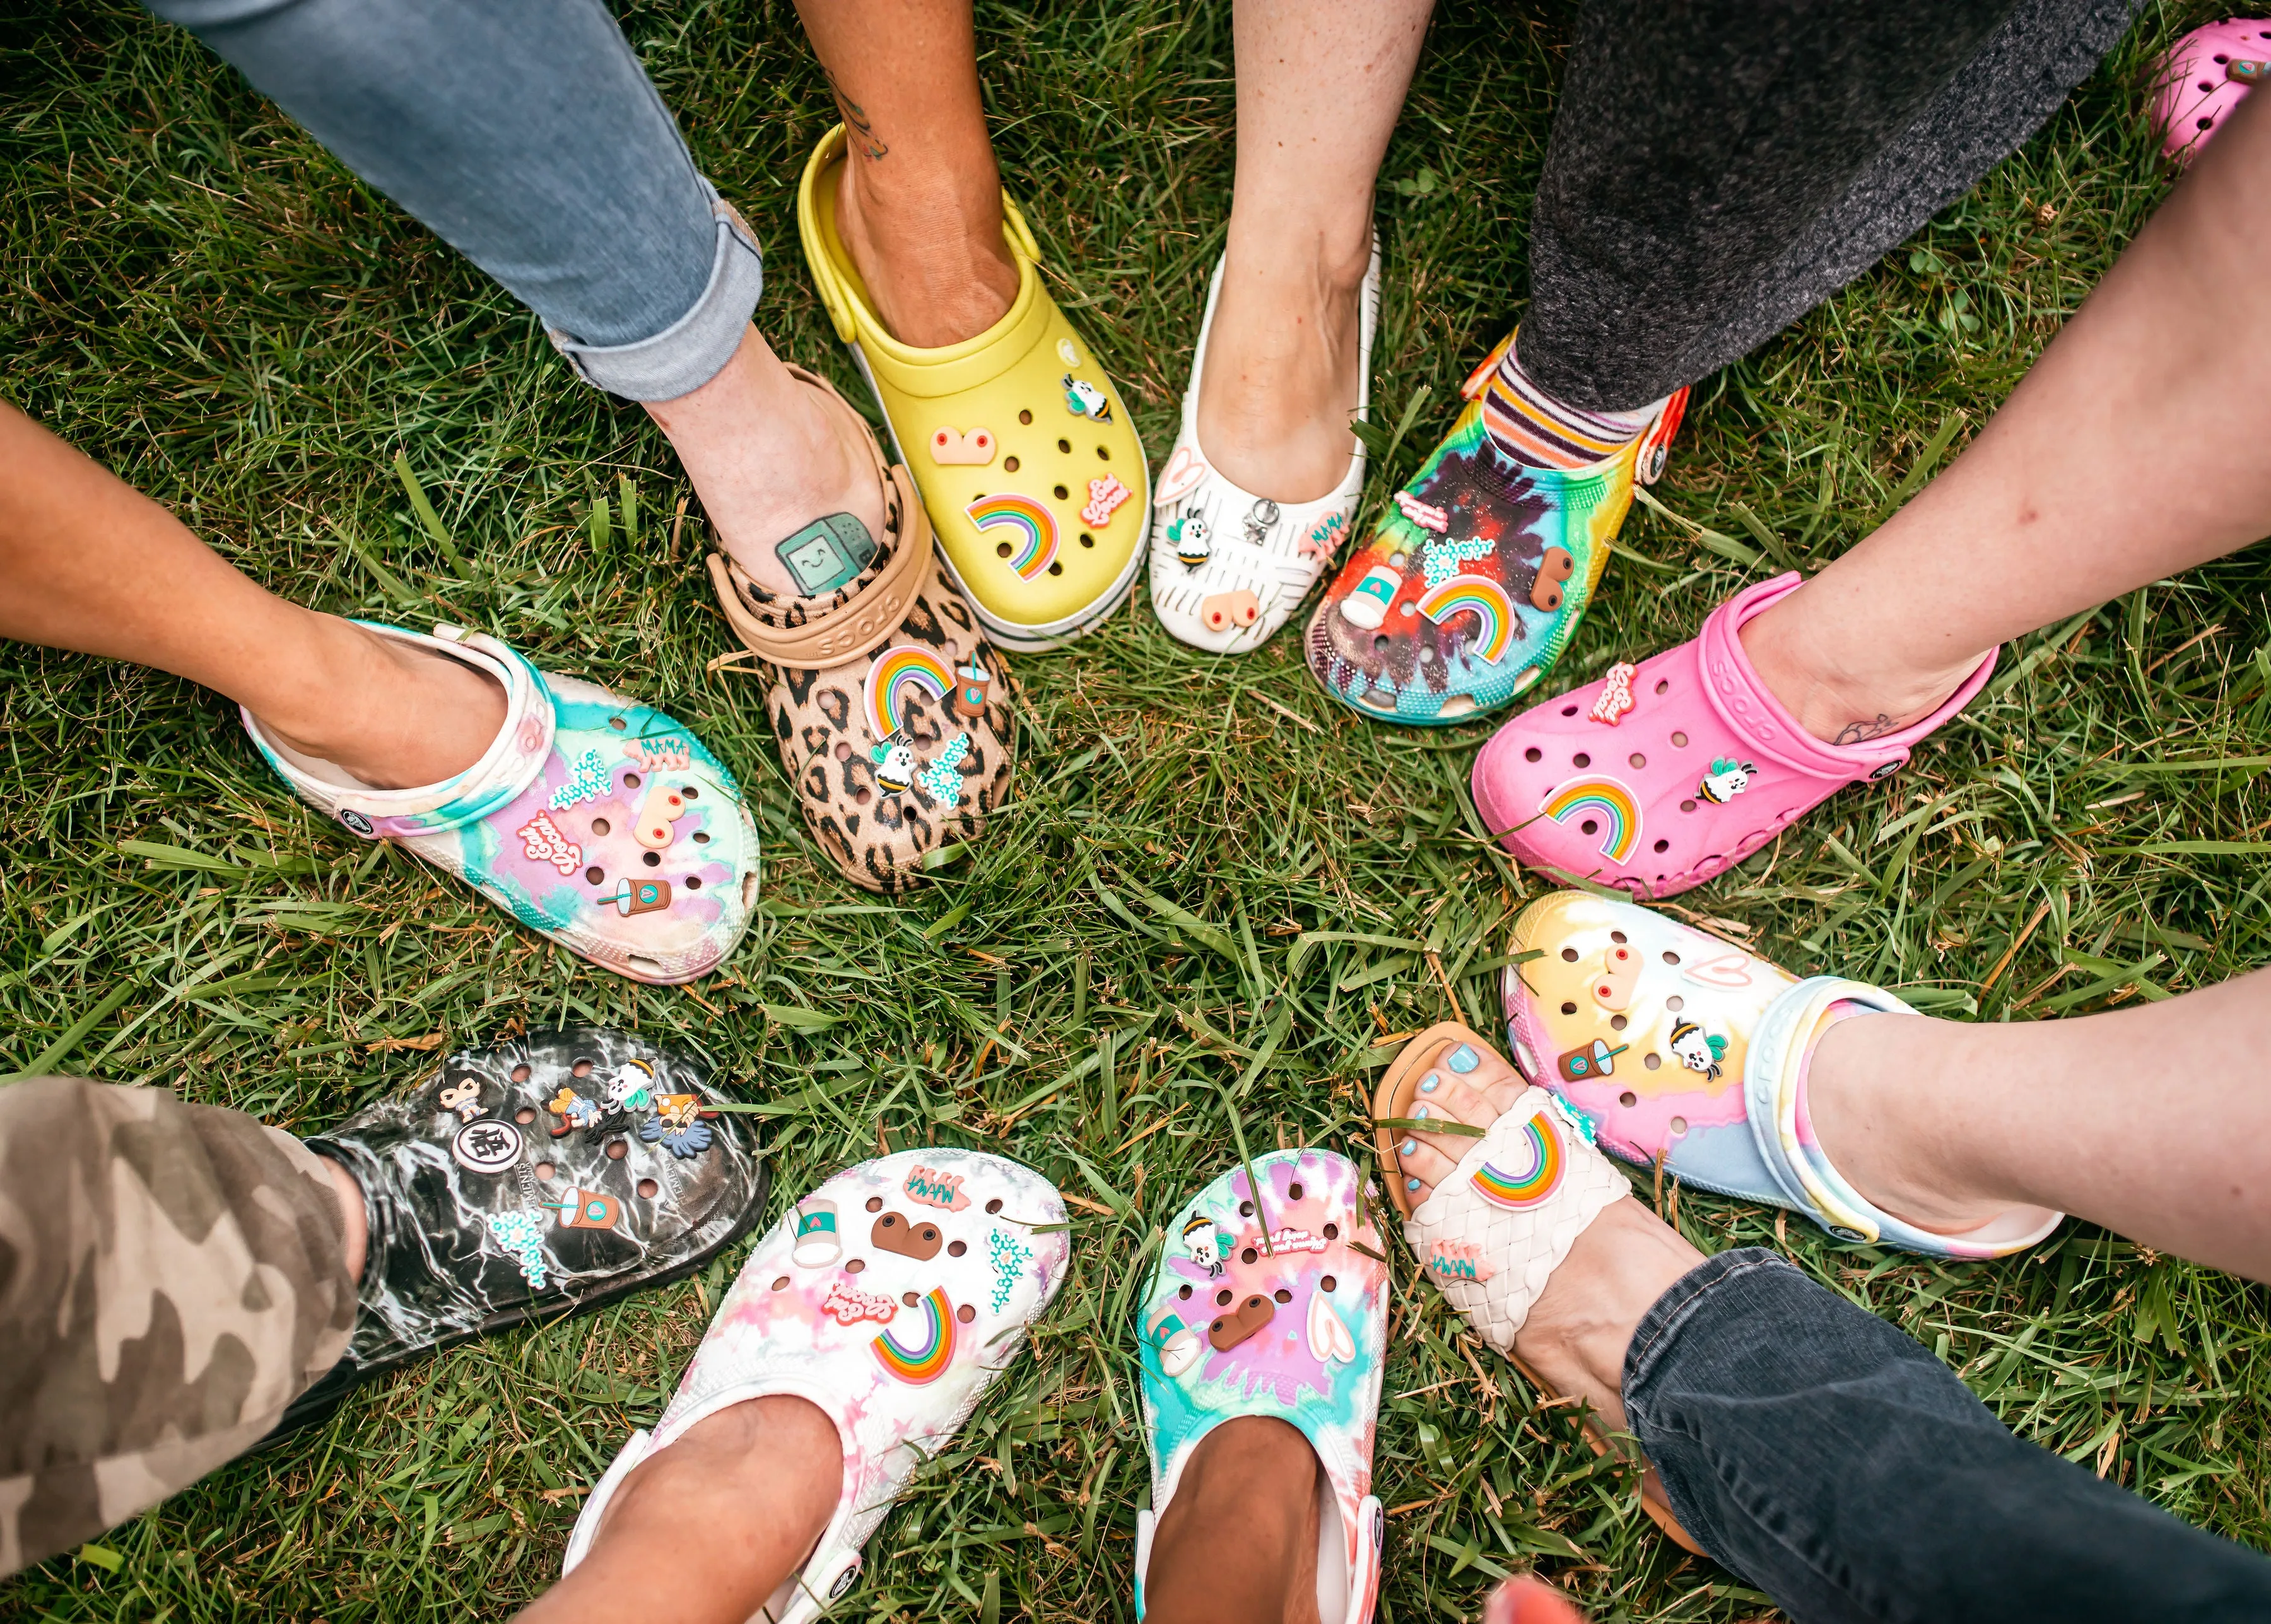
(1021, 446)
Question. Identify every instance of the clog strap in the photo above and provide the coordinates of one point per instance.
(1492, 1234)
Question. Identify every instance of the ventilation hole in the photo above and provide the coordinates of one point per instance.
(631, 781)
(1651, 1061)
(1569, 1009)
(1248, 1256)
(1679, 741)
(1638, 761)
(1569, 955)
(1283, 1295)
(1009, 464)
(1627, 1099)
(843, 751)
(909, 1298)
(1293, 1192)
(617, 1149)
(1589, 826)
(1675, 1004)
(1055, 568)
(1002, 551)
(2206, 124)
(965, 1314)
(600, 825)
(1065, 446)
(524, 1116)
(1569, 710)
(858, 1265)
(647, 1189)
(2208, 84)
(1662, 847)
(863, 796)
(1061, 491)
(1663, 687)
(652, 859)
(701, 839)
(1222, 1298)
(521, 1074)
(1246, 1209)
(582, 1068)
(874, 1204)
(1678, 1126)
(1185, 1294)
(689, 791)
(2221, 59)
(694, 882)
(1087, 540)
(1332, 1232)
(781, 1284)
(1617, 1023)
(1670, 957)
(617, 722)
(994, 1206)
(545, 1171)
(1379, 646)
(955, 1249)
(1328, 1283)
(1533, 754)
(593, 876)
(1618, 937)
(1687, 806)
(1581, 759)
(1104, 454)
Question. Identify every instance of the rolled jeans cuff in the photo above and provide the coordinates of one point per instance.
(695, 348)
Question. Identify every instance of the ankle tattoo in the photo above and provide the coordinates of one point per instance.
(1861, 732)
(855, 120)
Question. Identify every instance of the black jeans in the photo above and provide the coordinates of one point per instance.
(1719, 168)
(1825, 1456)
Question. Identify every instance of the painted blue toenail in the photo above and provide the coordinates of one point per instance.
(1406, 1148)
(1419, 1113)
(1430, 1083)
(1462, 1060)
(1410, 1183)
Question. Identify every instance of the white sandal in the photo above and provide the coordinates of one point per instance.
(1229, 567)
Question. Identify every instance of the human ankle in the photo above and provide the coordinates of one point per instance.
(354, 1218)
(1819, 675)
(770, 455)
(1582, 1324)
(1870, 1087)
(1238, 1540)
(395, 714)
(926, 239)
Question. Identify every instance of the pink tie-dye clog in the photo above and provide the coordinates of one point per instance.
(1659, 776)
(889, 1298)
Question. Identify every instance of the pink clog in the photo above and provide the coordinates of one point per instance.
(2205, 75)
(1660, 775)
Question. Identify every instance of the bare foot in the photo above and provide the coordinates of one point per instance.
(353, 1218)
(759, 1480)
(928, 242)
(1239, 1538)
(1284, 369)
(769, 456)
(1577, 1331)
(395, 716)
(1842, 692)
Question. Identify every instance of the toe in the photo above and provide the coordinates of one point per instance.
(1466, 1084)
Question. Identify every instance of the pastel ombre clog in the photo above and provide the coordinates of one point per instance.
(1476, 577)
(1277, 1309)
(1660, 775)
(593, 820)
(1229, 567)
(1679, 1047)
(1017, 440)
(889, 1298)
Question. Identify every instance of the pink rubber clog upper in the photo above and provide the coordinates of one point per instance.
(2205, 75)
(1659, 776)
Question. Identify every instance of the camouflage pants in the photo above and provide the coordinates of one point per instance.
(171, 1276)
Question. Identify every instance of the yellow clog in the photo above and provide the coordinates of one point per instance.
(1023, 450)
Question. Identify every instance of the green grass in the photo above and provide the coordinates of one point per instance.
(198, 295)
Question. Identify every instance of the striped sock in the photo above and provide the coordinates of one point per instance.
(1538, 431)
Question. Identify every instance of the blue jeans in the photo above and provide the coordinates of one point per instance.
(527, 136)
(1848, 1473)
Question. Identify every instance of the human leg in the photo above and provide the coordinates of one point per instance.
(545, 157)
(175, 1276)
(1238, 1544)
(89, 564)
(2130, 451)
(1806, 1445)
(1319, 89)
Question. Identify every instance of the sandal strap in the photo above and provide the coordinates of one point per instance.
(870, 614)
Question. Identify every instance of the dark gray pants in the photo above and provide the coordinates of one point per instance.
(1825, 1455)
(1719, 168)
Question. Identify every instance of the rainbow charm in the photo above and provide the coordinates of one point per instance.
(899, 671)
(1490, 604)
(1030, 545)
(1534, 1183)
(927, 1361)
(1605, 800)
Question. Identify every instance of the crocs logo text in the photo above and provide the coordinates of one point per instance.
(938, 1190)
